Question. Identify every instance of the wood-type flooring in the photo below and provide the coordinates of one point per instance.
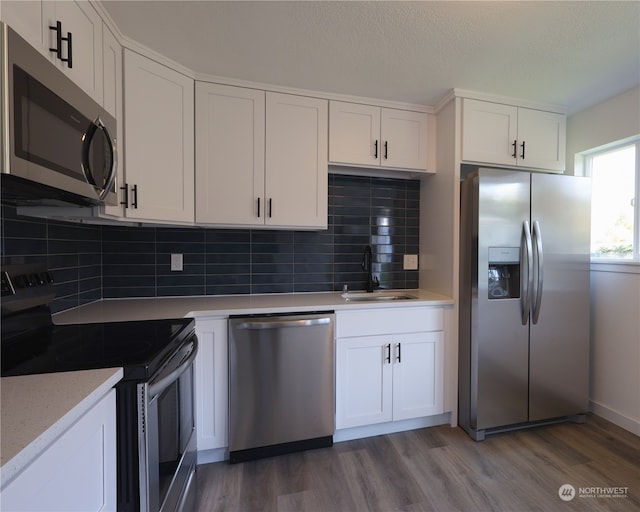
(439, 469)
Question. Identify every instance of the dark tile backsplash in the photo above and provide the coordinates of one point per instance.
(72, 251)
(90, 262)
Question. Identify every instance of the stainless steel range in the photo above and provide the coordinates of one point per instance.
(156, 436)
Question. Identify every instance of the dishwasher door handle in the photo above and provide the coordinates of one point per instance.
(279, 324)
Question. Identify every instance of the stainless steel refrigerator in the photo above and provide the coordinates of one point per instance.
(524, 299)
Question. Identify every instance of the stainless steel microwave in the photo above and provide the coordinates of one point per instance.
(57, 143)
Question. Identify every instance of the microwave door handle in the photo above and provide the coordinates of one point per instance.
(103, 189)
(165, 381)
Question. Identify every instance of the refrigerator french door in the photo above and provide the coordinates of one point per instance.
(524, 299)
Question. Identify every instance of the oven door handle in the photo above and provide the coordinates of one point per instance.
(165, 381)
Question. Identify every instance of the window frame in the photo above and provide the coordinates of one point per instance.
(587, 161)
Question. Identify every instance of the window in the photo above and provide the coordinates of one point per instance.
(615, 208)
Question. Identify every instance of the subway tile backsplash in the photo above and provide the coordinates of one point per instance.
(90, 262)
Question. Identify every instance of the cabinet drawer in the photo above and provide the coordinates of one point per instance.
(388, 321)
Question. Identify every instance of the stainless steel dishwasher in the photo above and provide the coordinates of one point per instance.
(281, 384)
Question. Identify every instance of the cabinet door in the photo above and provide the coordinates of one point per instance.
(26, 19)
(363, 381)
(158, 130)
(488, 132)
(112, 79)
(418, 387)
(211, 383)
(403, 139)
(354, 134)
(296, 169)
(85, 25)
(229, 154)
(77, 472)
(544, 136)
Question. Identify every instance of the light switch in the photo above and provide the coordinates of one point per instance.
(176, 262)
(410, 262)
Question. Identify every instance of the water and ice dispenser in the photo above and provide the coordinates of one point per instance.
(504, 273)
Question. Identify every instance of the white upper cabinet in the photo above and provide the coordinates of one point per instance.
(159, 138)
(500, 134)
(404, 139)
(80, 32)
(296, 168)
(229, 154)
(260, 158)
(542, 139)
(79, 21)
(26, 19)
(365, 135)
(112, 80)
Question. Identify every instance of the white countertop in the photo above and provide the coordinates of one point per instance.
(37, 409)
(117, 310)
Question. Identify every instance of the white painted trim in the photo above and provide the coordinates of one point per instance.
(147, 52)
(202, 77)
(444, 101)
(348, 434)
(214, 455)
(630, 424)
(506, 100)
(107, 19)
(618, 266)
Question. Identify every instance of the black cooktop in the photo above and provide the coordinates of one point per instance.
(140, 347)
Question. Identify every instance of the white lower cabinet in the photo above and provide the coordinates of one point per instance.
(211, 383)
(77, 472)
(395, 374)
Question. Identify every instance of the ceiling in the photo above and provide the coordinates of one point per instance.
(570, 53)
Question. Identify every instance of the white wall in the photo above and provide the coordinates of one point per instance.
(613, 120)
(615, 288)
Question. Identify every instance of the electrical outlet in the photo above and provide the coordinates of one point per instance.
(176, 262)
(410, 262)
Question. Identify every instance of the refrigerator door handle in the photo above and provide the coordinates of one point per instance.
(525, 298)
(537, 291)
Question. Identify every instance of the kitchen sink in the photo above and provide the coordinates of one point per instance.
(376, 297)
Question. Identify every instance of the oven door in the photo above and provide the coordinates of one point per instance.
(167, 437)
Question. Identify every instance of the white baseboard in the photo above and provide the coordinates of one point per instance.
(215, 455)
(630, 424)
(347, 434)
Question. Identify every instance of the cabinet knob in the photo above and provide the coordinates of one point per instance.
(522, 146)
(399, 356)
(388, 358)
(515, 144)
(386, 152)
(375, 150)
